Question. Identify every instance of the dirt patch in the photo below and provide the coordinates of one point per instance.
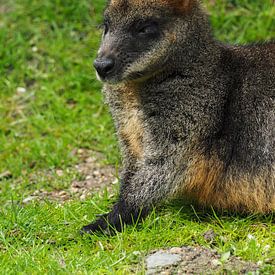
(92, 176)
(196, 260)
(41, 194)
(95, 175)
(5, 7)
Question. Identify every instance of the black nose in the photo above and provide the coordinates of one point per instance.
(104, 66)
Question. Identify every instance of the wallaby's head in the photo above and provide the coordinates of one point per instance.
(139, 37)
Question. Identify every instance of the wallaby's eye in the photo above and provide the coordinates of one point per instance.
(105, 26)
(148, 28)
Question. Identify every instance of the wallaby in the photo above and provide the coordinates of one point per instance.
(194, 117)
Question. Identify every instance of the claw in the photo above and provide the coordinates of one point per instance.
(85, 230)
(94, 229)
(99, 226)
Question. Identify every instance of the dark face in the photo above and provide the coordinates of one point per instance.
(133, 44)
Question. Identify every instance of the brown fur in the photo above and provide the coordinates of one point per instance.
(131, 130)
(247, 194)
(207, 183)
(202, 177)
(180, 6)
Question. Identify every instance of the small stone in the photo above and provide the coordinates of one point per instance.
(96, 173)
(21, 90)
(89, 160)
(36, 192)
(34, 49)
(74, 189)
(266, 248)
(115, 181)
(269, 260)
(28, 199)
(82, 197)
(59, 173)
(62, 263)
(176, 250)
(80, 151)
(136, 253)
(209, 235)
(63, 193)
(161, 259)
(77, 184)
(216, 262)
(251, 237)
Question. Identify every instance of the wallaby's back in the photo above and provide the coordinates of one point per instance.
(238, 172)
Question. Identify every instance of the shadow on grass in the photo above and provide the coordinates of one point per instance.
(193, 212)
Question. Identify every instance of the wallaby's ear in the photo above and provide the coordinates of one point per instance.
(181, 6)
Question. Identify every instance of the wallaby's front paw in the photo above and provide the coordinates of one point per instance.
(121, 214)
(100, 225)
(107, 224)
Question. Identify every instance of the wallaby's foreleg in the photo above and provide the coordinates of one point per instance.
(149, 185)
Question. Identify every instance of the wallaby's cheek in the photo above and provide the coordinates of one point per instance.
(151, 59)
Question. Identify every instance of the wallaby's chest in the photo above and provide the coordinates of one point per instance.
(127, 113)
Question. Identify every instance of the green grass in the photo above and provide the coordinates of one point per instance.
(47, 47)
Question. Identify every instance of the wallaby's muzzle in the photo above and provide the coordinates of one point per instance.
(104, 66)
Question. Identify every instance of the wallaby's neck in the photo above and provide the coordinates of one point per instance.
(197, 59)
(200, 51)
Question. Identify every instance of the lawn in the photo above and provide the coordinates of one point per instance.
(51, 107)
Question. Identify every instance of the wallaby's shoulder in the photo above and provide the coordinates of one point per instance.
(259, 55)
(251, 67)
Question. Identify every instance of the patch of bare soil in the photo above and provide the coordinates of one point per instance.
(95, 175)
(92, 176)
(5, 7)
(196, 260)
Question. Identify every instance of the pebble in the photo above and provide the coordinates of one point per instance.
(59, 173)
(161, 259)
(209, 235)
(34, 49)
(21, 90)
(176, 250)
(28, 199)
